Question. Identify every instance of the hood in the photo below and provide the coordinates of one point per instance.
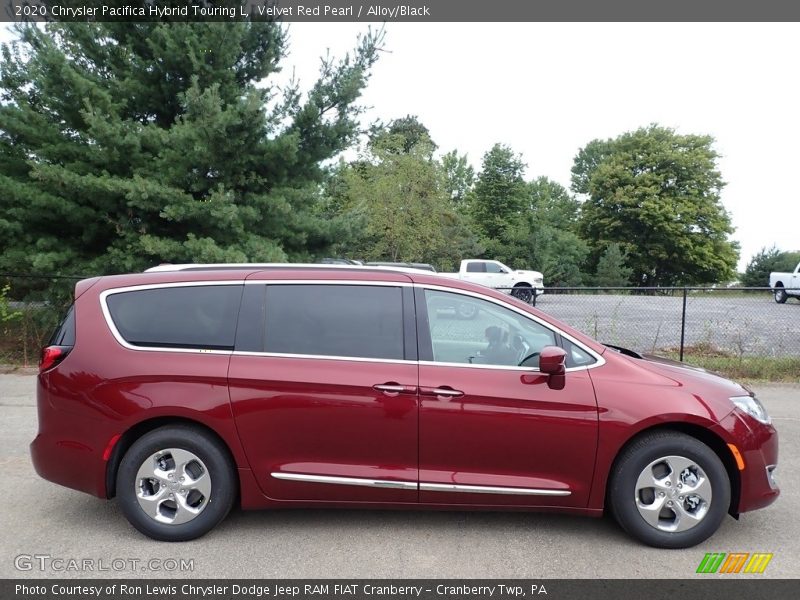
(535, 274)
(686, 374)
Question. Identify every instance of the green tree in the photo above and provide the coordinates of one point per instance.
(500, 194)
(123, 145)
(395, 198)
(411, 131)
(764, 262)
(544, 236)
(658, 194)
(587, 161)
(611, 268)
(459, 177)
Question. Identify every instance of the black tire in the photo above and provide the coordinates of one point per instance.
(625, 499)
(780, 295)
(213, 461)
(524, 293)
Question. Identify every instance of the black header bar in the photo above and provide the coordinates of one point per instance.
(418, 11)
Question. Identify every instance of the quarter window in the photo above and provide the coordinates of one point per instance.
(469, 330)
(356, 321)
(202, 316)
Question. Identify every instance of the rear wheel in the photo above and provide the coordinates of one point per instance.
(176, 483)
(780, 295)
(669, 490)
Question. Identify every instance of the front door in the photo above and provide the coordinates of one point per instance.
(491, 432)
(324, 391)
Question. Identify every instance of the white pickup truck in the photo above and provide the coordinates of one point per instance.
(525, 285)
(785, 285)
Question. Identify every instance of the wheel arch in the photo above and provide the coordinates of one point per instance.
(141, 428)
(700, 433)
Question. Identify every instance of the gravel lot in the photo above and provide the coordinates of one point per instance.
(748, 325)
(40, 518)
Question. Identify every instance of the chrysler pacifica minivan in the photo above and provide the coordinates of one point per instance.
(191, 389)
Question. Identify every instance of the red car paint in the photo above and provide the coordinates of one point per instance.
(506, 428)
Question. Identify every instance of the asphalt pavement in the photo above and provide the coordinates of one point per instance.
(50, 531)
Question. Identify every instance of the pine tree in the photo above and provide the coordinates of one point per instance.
(611, 269)
(124, 145)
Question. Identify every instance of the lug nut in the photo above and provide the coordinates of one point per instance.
(669, 503)
(181, 479)
(680, 497)
(680, 485)
(169, 475)
(661, 494)
(668, 484)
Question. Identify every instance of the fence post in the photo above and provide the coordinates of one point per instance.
(683, 322)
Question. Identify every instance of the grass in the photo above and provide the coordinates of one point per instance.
(776, 369)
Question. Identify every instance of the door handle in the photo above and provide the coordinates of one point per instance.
(444, 391)
(394, 388)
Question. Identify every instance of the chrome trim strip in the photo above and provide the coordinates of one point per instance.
(112, 327)
(135, 288)
(408, 485)
(599, 360)
(324, 357)
(485, 489)
(379, 483)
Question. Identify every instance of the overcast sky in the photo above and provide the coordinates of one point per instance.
(547, 89)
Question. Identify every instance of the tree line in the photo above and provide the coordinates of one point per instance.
(126, 145)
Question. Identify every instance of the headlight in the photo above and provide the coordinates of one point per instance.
(752, 407)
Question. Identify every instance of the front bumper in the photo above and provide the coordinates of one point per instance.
(758, 445)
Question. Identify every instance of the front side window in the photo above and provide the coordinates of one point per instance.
(196, 317)
(494, 268)
(358, 321)
(469, 330)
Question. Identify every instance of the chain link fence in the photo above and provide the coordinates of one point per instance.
(677, 322)
(30, 308)
(682, 322)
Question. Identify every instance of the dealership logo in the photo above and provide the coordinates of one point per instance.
(735, 562)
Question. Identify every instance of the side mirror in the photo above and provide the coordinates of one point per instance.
(552, 361)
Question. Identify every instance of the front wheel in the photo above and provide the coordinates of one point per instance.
(524, 293)
(669, 490)
(176, 483)
(780, 295)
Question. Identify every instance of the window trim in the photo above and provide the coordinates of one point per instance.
(426, 344)
(137, 288)
(409, 330)
(418, 310)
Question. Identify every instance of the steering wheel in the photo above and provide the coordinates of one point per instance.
(527, 358)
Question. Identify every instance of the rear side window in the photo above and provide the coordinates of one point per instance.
(64, 335)
(198, 317)
(335, 320)
(476, 267)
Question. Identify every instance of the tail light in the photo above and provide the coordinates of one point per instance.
(52, 355)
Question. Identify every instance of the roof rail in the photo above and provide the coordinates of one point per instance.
(168, 268)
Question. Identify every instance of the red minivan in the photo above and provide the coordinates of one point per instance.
(190, 388)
